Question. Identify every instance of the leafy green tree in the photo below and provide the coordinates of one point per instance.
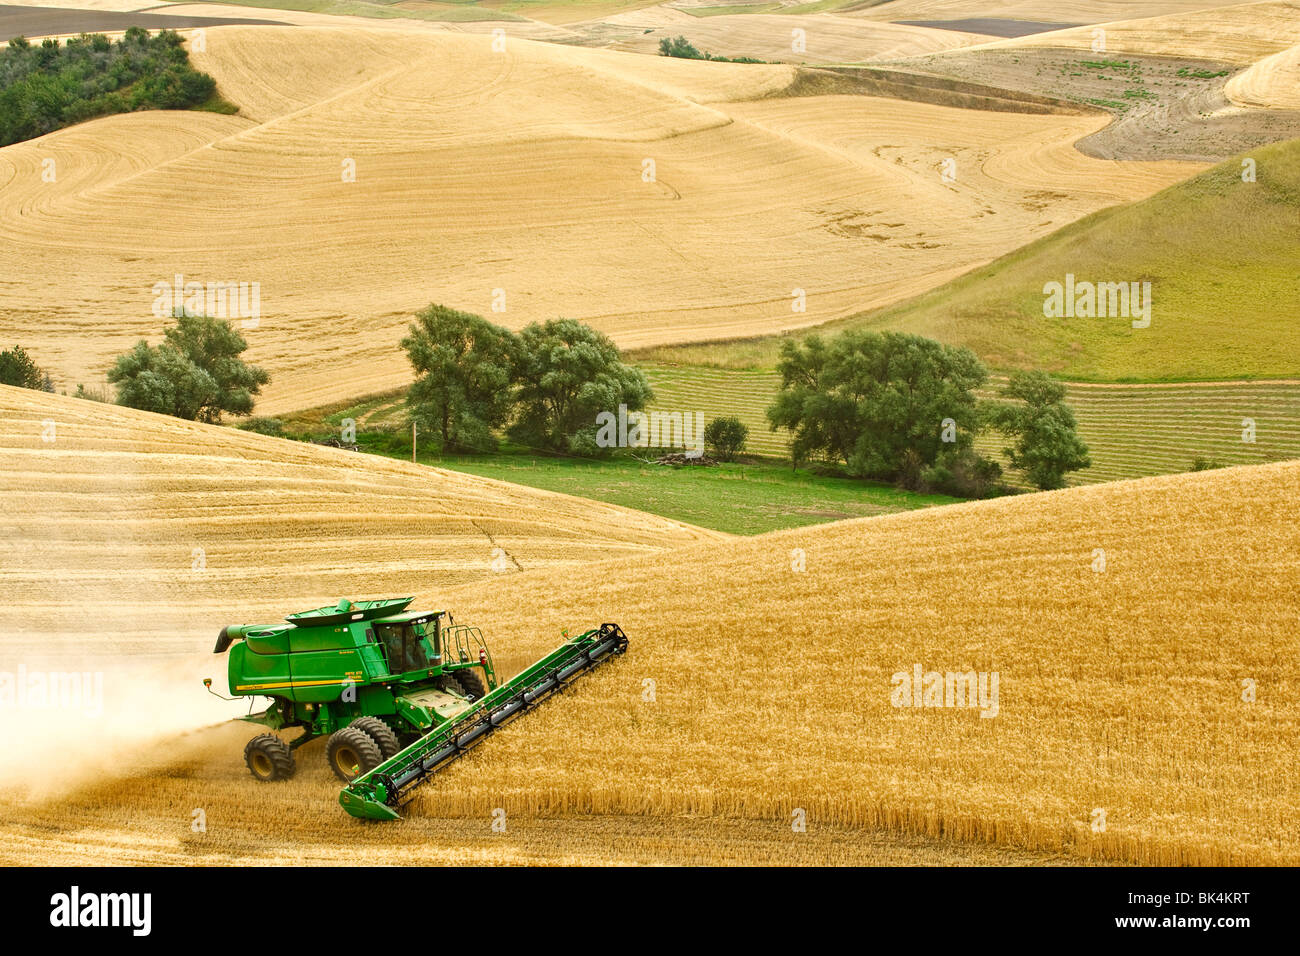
(465, 367)
(18, 368)
(162, 380)
(196, 373)
(726, 436)
(886, 404)
(681, 47)
(568, 374)
(1045, 440)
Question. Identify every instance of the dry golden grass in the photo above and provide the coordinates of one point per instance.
(1119, 690)
(518, 171)
(109, 514)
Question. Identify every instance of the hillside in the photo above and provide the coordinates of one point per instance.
(518, 171)
(162, 530)
(1119, 691)
(1220, 255)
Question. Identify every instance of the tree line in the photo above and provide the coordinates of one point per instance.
(889, 406)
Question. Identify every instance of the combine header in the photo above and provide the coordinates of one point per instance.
(399, 694)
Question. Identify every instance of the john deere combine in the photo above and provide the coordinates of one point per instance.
(399, 693)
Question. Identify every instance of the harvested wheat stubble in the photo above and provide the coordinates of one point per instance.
(520, 171)
(110, 513)
(1119, 690)
(828, 39)
(144, 818)
(1239, 33)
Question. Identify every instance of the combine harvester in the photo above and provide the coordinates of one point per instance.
(399, 694)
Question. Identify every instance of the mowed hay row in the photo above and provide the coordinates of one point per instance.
(523, 171)
(1120, 690)
(1132, 431)
(168, 528)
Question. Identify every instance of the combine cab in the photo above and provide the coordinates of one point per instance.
(399, 693)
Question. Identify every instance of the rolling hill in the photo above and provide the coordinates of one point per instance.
(519, 171)
(159, 529)
(1123, 728)
(1225, 293)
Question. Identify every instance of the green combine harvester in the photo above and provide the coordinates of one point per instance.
(399, 693)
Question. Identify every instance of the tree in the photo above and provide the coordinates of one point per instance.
(569, 373)
(162, 380)
(18, 368)
(726, 436)
(679, 46)
(195, 373)
(886, 404)
(465, 366)
(1046, 443)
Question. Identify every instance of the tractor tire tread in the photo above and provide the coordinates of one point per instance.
(362, 744)
(380, 733)
(276, 751)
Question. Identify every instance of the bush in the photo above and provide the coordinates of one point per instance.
(683, 49)
(1200, 463)
(95, 393)
(679, 47)
(264, 426)
(17, 368)
(726, 437)
(961, 472)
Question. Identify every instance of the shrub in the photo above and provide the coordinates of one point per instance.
(726, 437)
(18, 368)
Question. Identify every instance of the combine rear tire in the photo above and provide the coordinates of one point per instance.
(380, 733)
(351, 752)
(269, 758)
(471, 683)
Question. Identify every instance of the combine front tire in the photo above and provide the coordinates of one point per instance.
(351, 752)
(269, 758)
(471, 683)
(380, 733)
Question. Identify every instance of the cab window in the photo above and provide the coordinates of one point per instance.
(405, 648)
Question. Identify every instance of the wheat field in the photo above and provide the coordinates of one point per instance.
(165, 527)
(1121, 688)
(519, 171)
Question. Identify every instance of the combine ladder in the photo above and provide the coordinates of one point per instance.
(376, 794)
